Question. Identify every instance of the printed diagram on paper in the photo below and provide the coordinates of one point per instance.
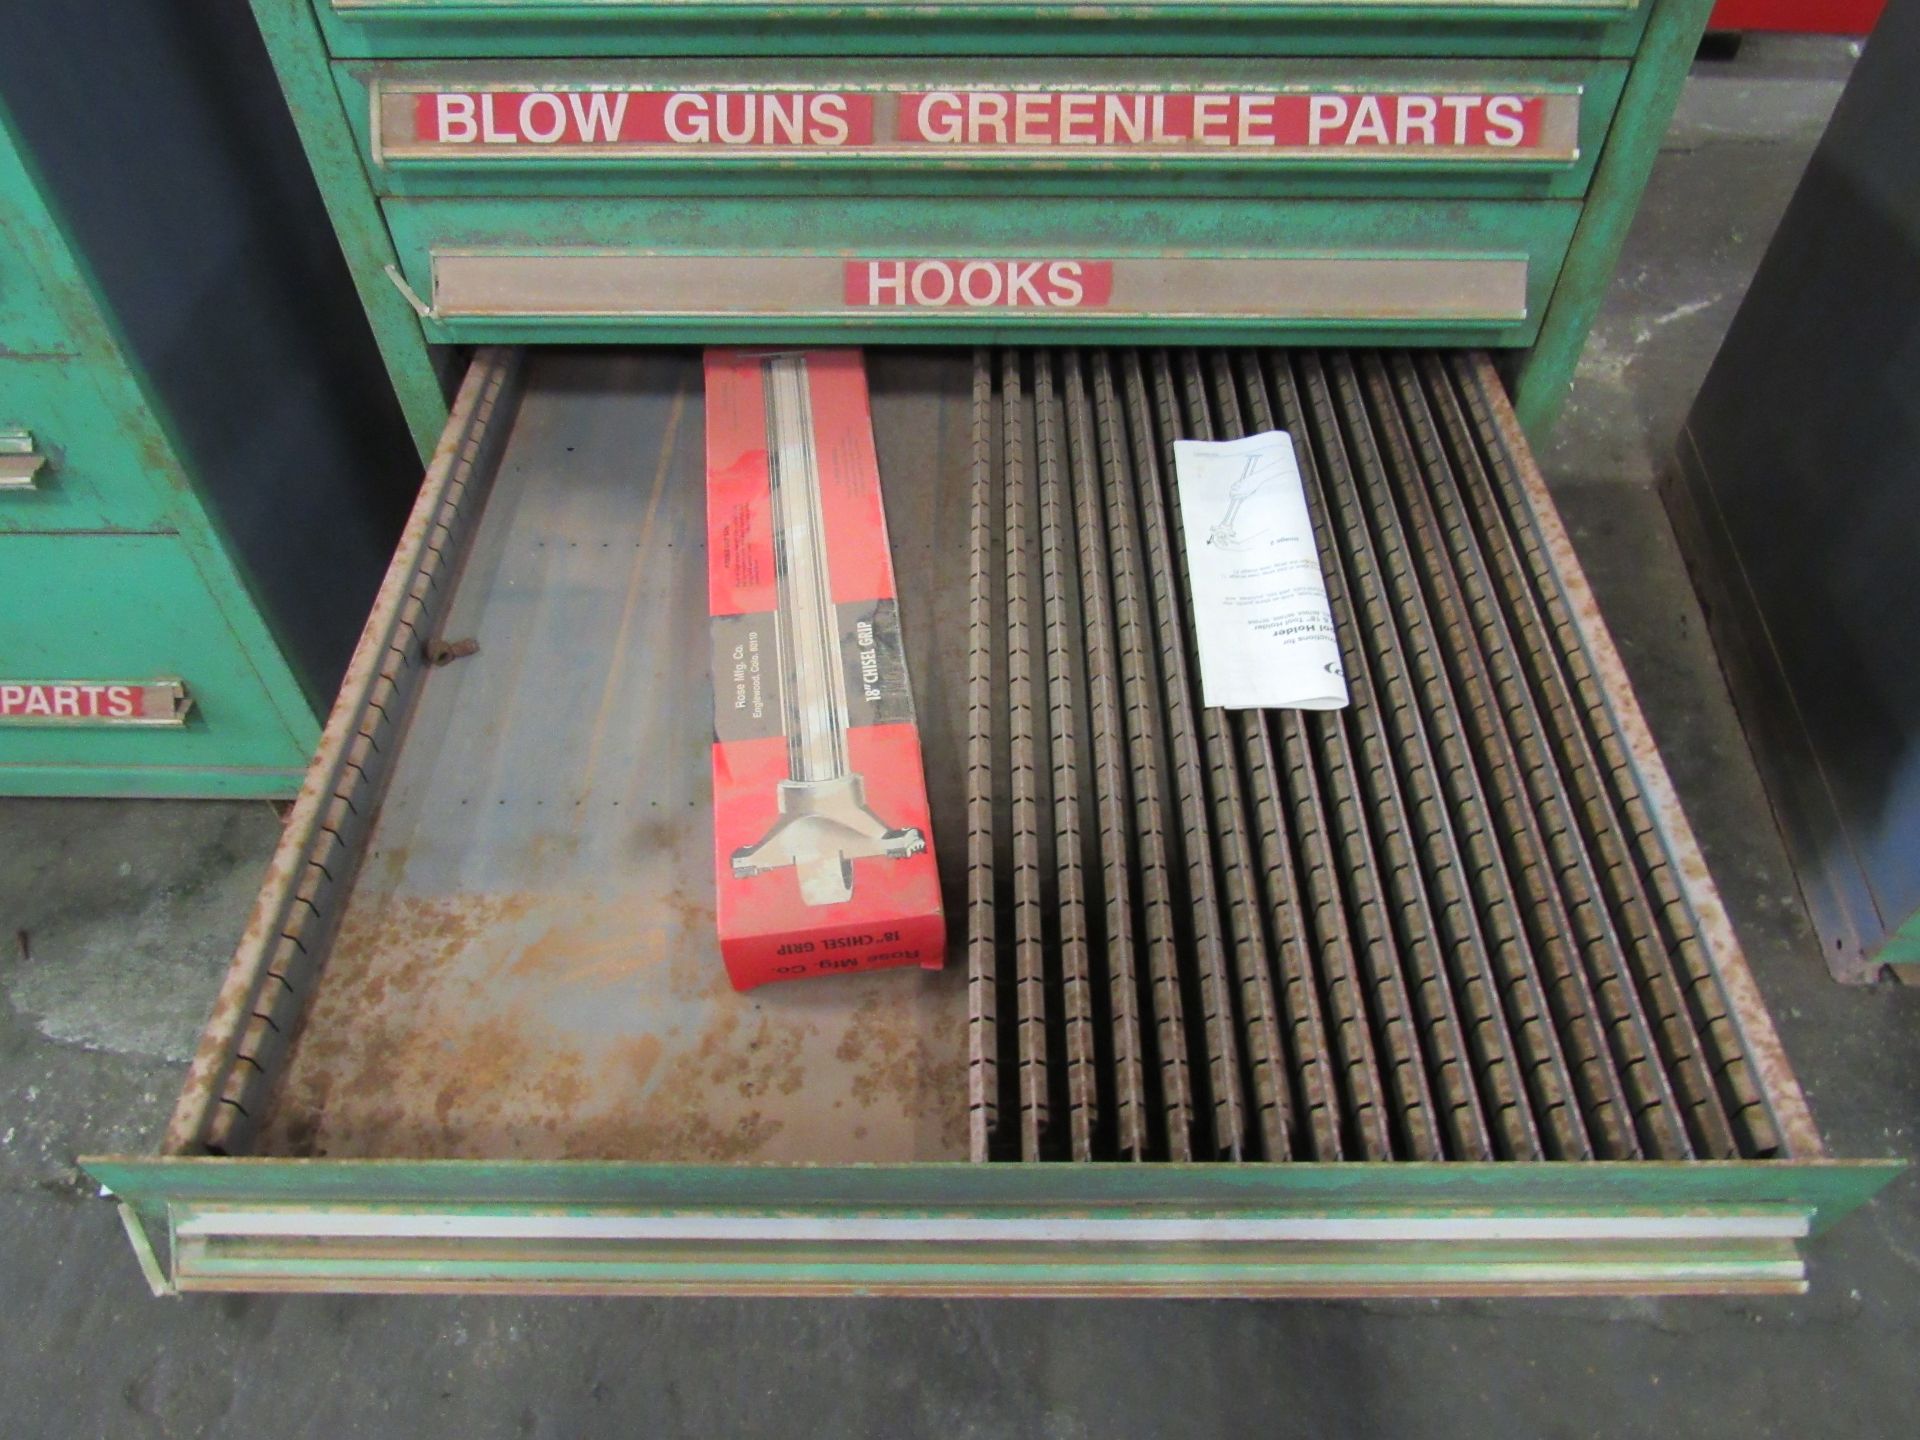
(1259, 598)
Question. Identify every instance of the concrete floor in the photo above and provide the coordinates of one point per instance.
(131, 911)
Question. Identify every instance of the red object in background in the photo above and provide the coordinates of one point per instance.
(1810, 17)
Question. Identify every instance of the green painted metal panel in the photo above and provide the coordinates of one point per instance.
(1825, 1189)
(34, 265)
(578, 29)
(1903, 946)
(300, 60)
(145, 782)
(1540, 383)
(103, 469)
(466, 1224)
(138, 607)
(1539, 1271)
(436, 28)
(160, 598)
(862, 228)
(523, 170)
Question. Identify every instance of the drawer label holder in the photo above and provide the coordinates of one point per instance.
(1336, 289)
(20, 461)
(1046, 123)
(86, 703)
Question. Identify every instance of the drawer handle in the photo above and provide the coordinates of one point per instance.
(20, 462)
(88, 703)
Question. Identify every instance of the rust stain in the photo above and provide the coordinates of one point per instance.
(898, 1061)
(640, 1055)
(526, 1025)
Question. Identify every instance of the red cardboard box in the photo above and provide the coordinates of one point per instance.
(823, 845)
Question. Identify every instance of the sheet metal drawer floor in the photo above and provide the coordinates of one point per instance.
(526, 966)
(477, 1035)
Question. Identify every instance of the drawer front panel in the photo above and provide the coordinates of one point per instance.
(437, 28)
(87, 471)
(867, 271)
(93, 617)
(1225, 128)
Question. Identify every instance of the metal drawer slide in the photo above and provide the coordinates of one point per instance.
(1432, 997)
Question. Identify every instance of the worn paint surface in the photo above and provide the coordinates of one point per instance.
(523, 1008)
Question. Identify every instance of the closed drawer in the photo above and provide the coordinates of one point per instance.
(434, 28)
(92, 617)
(860, 271)
(1293, 127)
(68, 459)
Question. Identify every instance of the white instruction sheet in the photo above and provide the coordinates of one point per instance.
(1259, 600)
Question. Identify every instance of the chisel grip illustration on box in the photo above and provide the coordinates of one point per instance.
(825, 823)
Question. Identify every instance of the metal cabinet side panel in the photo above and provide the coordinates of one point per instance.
(63, 581)
(164, 147)
(97, 475)
(1541, 380)
(300, 59)
(36, 269)
(133, 607)
(1798, 512)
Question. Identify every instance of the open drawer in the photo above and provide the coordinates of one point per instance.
(436, 28)
(477, 1034)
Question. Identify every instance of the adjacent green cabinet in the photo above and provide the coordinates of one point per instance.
(198, 488)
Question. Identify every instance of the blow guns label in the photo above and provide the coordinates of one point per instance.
(670, 118)
(1029, 122)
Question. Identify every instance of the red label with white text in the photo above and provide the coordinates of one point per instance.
(20, 700)
(989, 119)
(819, 119)
(980, 119)
(979, 284)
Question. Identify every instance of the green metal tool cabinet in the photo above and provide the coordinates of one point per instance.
(197, 491)
(1434, 996)
(462, 228)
